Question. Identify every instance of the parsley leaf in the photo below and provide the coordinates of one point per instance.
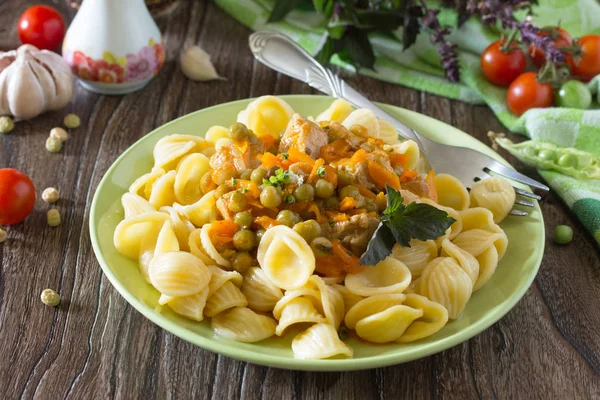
(285, 156)
(280, 178)
(289, 199)
(321, 172)
(400, 223)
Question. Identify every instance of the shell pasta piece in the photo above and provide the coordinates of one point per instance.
(187, 181)
(178, 273)
(371, 305)
(494, 193)
(195, 244)
(286, 257)
(261, 293)
(387, 132)
(434, 318)
(388, 325)
(444, 282)
(318, 342)
(166, 241)
(191, 307)
(202, 212)
(332, 302)
(210, 249)
(163, 192)
(134, 205)
(350, 299)
(336, 112)
(227, 296)
(130, 232)
(169, 150)
(417, 256)
(365, 118)
(142, 186)
(244, 325)
(388, 276)
(217, 132)
(488, 261)
(451, 192)
(466, 260)
(410, 149)
(219, 277)
(267, 115)
(181, 226)
(299, 310)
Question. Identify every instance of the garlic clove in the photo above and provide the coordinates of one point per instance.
(195, 64)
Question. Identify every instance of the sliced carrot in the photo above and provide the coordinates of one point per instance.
(268, 141)
(331, 175)
(365, 192)
(359, 156)
(350, 260)
(269, 160)
(408, 174)
(329, 266)
(381, 201)
(335, 150)
(295, 155)
(313, 177)
(347, 204)
(431, 184)
(357, 211)
(382, 176)
(250, 186)
(398, 159)
(221, 232)
(335, 216)
(266, 222)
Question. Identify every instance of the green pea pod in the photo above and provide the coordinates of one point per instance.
(566, 160)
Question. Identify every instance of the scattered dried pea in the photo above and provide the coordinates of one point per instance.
(2, 235)
(53, 145)
(53, 218)
(50, 195)
(6, 124)
(563, 234)
(72, 121)
(59, 133)
(50, 297)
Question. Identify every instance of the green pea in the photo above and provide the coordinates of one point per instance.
(370, 205)
(308, 229)
(304, 192)
(221, 190)
(258, 175)
(546, 154)
(567, 160)
(246, 174)
(332, 203)
(349, 191)
(244, 240)
(344, 178)
(228, 253)
(270, 197)
(238, 131)
(563, 234)
(288, 218)
(321, 246)
(259, 234)
(237, 202)
(241, 261)
(530, 151)
(324, 189)
(243, 219)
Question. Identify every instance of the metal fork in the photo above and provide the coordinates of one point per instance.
(282, 54)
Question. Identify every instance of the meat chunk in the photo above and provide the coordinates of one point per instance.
(418, 186)
(354, 233)
(224, 209)
(229, 161)
(304, 135)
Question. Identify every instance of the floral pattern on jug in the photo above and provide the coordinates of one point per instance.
(115, 69)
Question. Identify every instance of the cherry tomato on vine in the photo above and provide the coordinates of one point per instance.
(499, 67)
(574, 94)
(588, 65)
(17, 196)
(526, 92)
(41, 26)
(560, 37)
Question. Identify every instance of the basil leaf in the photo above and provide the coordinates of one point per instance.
(359, 48)
(380, 246)
(282, 8)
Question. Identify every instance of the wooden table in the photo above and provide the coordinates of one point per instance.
(97, 346)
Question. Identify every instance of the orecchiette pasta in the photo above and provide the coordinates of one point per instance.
(261, 229)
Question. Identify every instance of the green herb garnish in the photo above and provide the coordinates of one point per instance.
(285, 156)
(289, 199)
(280, 178)
(233, 182)
(400, 224)
(321, 172)
(244, 190)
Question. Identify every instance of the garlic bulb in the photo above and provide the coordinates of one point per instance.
(33, 81)
(195, 64)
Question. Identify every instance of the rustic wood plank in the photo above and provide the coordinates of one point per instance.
(97, 346)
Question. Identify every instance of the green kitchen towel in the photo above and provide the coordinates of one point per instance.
(418, 67)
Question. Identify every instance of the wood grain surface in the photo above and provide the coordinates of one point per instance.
(95, 346)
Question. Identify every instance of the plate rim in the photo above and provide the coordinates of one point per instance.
(221, 347)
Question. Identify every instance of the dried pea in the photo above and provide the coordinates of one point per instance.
(566, 160)
(72, 121)
(50, 195)
(53, 144)
(3, 235)
(6, 124)
(50, 298)
(53, 218)
(59, 133)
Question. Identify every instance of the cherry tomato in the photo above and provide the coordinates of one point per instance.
(588, 64)
(574, 94)
(560, 37)
(41, 26)
(526, 92)
(502, 68)
(17, 196)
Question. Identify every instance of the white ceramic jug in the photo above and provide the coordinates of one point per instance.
(114, 46)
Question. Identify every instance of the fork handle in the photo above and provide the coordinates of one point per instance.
(282, 54)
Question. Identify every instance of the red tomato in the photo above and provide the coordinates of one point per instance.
(41, 26)
(526, 92)
(560, 37)
(588, 64)
(502, 68)
(17, 196)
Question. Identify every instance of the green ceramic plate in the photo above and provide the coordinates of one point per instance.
(511, 280)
